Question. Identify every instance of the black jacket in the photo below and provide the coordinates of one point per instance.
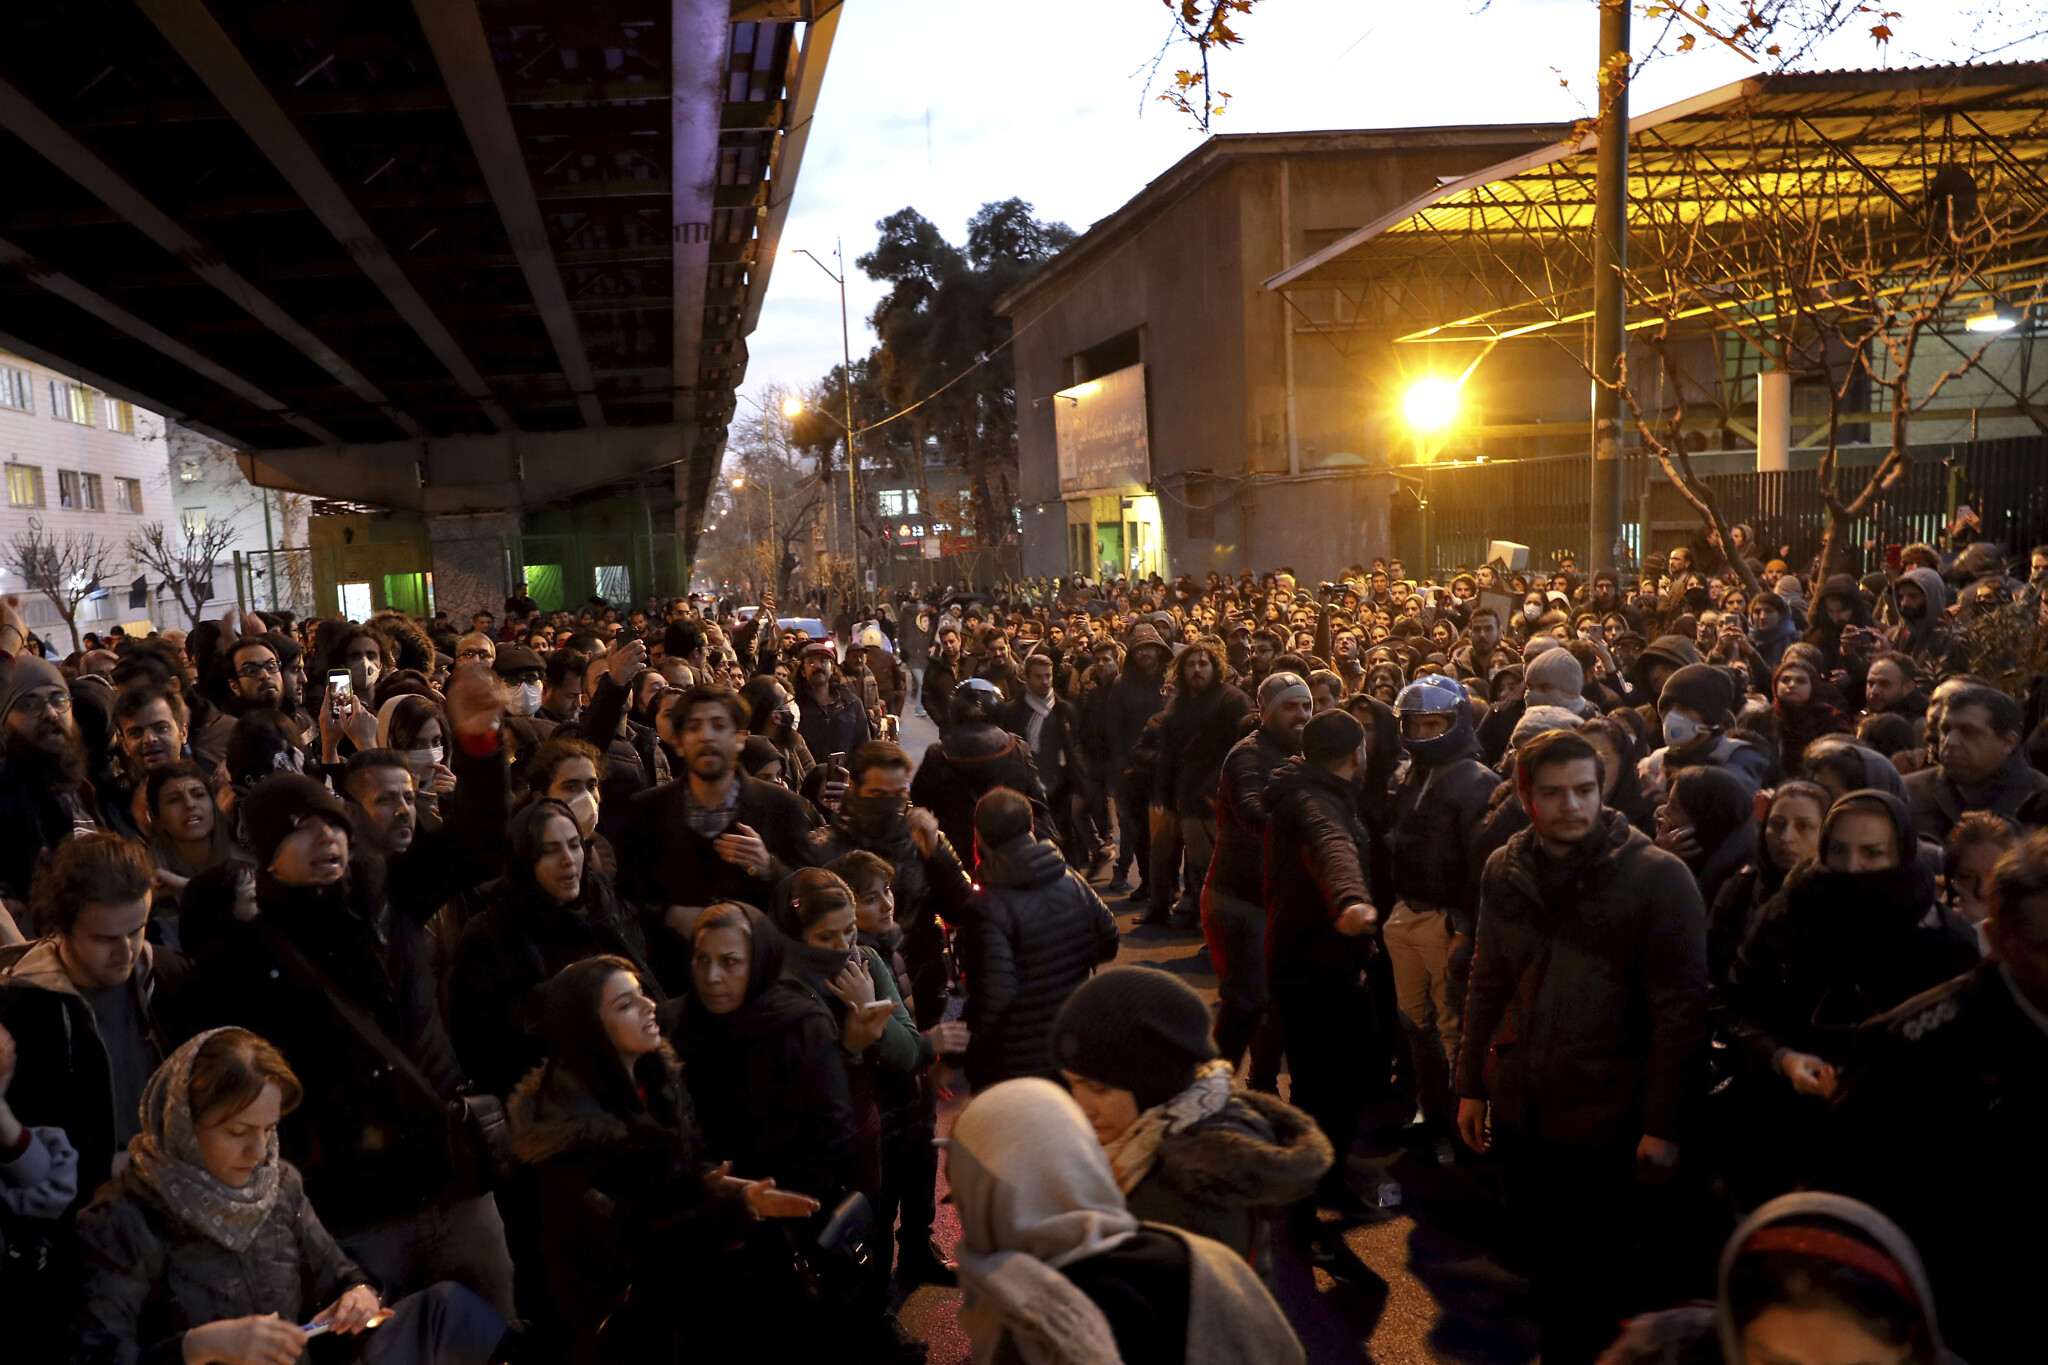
(837, 726)
(150, 1277)
(1057, 754)
(626, 1201)
(1127, 704)
(1938, 801)
(1831, 951)
(1438, 814)
(1237, 867)
(35, 820)
(522, 938)
(1315, 864)
(62, 1078)
(367, 1148)
(970, 762)
(1196, 732)
(1586, 1019)
(1958, 1070)
(1033, 933)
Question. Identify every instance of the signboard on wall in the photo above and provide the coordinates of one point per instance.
(1103, 438)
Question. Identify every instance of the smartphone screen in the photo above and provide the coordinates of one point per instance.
(340, 683)
(1894, 558)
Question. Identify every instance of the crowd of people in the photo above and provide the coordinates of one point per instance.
(588, 986)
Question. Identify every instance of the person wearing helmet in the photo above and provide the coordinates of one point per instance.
(1439, 808)
(974, 756)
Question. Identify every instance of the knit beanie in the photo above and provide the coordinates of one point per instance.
(1555, 673)
(1134, 1028)
(28, 674)
(1538, 720)
(1704, 689)
(1330, 736)
(275, 807)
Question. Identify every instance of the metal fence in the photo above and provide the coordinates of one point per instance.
(1447, 515)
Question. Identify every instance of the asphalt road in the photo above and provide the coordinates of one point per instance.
(1425, 1279)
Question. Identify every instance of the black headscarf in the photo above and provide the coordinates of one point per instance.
(769, 1006)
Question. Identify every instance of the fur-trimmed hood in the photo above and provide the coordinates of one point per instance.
(553, 1115)
(1258, 1152)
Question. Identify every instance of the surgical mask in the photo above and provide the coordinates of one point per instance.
(1681, 729)
(583, 805)
(421, 761)
(526, 700)
(1531, 610)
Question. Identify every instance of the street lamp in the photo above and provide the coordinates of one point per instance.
(846, 352)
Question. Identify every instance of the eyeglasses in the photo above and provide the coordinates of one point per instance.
(267, 668)
(40, 705)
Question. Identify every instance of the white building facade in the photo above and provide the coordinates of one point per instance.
(79, 463)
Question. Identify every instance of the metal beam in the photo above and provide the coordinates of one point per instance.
(456, 34)
(113, 314)
(472, 473)
(25, 120)
(199, 40)
(802, 105)
(113, 388)
(701, 33)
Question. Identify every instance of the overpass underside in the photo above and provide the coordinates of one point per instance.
(443, 256)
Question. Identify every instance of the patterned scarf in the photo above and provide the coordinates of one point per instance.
(165, 1157)
(1132, 1152)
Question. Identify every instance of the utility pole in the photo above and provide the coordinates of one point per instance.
(852, 459)
(1610, 258)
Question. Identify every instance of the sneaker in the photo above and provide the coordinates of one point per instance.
(1119, 887)
(924, 1263)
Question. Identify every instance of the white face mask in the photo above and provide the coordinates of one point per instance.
(1681, 729)
(1532, 611)
(583, 805)
(526, 698)
(423, 760)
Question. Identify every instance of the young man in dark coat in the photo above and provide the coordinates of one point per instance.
(1233, 899)
(1033, 932)
(830, 715)
(1319, 933)
(712, 835)
(1201, 723)
(1134, 696)
(1050, 725)
(975, 757)
(1586, 1017)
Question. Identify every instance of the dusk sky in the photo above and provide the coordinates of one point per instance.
(943, 105)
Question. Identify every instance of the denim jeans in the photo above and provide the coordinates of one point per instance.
(463, 1241)
(444, 1324)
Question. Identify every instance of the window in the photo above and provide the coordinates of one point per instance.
(91, 498)
(128, 494)
(71, 402)
(67, 489)
(121, 416)
(193, 519)
(355, 601)
(190, 470)
(16, 390)
(898, 502)
(24, 485)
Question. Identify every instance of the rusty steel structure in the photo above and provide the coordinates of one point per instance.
(434, 255)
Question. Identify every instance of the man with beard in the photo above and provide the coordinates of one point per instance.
(1264, 647)
(830, 715)
(997, 664)
(149, 725)
(1592, 959)
(1233, 899)
(1199, 726)
(1135, 696)
(713, 835)
(942, 674)
(1474, 658)
(44, 794)
(876, 817)
(1049, 724)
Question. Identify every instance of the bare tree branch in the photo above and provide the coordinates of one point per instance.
(65, 569)
(186, 565)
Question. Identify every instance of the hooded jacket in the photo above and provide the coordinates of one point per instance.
(1315, 864)
(1833, 950)
(1673, 651)
(1215, 1175)
(63, 1078)
(1586, 1017)
(1033, 932)
(1928, 637)
(970, 762)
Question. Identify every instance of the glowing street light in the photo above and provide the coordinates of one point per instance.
(793, 407)
(1993, 319)
(1431, 404)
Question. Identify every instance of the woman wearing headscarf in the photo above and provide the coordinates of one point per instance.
(1791, 836)
(1709, 820)
(1187, 1147)
(549, 909)
(1803, 714)
(763, 1059)
(1058, 1271)
(204, 1248)
(639, 1226)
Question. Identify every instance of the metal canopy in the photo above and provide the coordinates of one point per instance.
(1504, 253)
(354, 237)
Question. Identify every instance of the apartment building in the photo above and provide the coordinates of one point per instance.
(80, 463)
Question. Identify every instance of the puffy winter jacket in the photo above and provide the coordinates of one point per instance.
(1587, 1011)
(1213, 1176)
(1236, 868)
(1034, 932)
